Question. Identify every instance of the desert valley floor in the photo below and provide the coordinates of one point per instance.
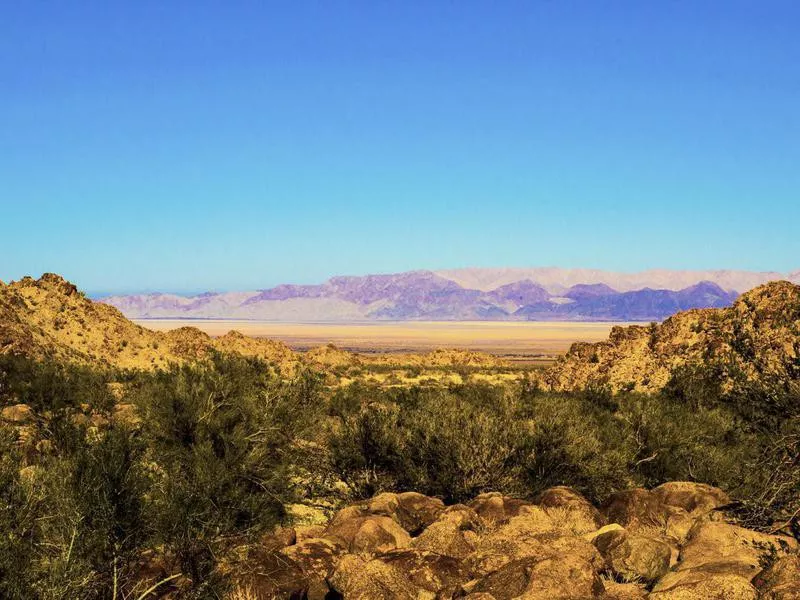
(528, 340)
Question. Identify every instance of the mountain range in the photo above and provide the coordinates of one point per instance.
(538, 294)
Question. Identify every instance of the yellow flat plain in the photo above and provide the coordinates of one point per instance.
(502, 338)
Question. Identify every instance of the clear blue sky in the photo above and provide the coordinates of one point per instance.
(222, 145)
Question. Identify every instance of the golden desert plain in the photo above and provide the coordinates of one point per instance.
(528, 341)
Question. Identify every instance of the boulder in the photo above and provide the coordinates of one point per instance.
(642, 512)
(695, 498)
(565, 578)
(510, 542)
(412, 511)
(634, 557)
(780, 581)
(442, 575)
(359, 578)
(711, 541)
(455, 533)
(494, 508)
(570, 511)
(711, 581)
(366, 535)
(417, 511)
(316, 559)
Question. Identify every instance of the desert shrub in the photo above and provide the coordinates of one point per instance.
(670, 440)
(458, 442)
(95, 502)
(769, 492)
(19, 510)
(52, 386)
(576, 442)
(219, 436)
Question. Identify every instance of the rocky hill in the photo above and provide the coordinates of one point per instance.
(49, 317)
(425, 295)
(669, 543)
(755, 339)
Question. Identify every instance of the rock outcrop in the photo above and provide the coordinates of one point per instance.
(757, 339)
(409, 546)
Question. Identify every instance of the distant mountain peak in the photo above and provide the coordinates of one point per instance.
(546, 293)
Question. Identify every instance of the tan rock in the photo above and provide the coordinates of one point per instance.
(358, 578)
(565, 578)
(634, 557)
(642, 512)
(711, 581)
(495, 508)
(711, 542)
(370, 534)
(694, 498)
(455, 533)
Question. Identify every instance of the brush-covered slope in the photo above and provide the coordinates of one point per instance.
(757, 339)
(49, 317)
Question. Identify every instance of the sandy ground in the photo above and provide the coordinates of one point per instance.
(521, 339)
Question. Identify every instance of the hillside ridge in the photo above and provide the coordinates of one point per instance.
(757, 338)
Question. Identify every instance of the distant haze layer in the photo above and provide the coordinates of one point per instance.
(509, 294)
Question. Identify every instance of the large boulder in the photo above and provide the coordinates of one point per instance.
(642, 512)
(634, 557)
(512, 542)
(495, 508)
(412, 511)
(359, 578)
(715, 541)
(695, 498)
(417, 511)
(455, 533)
(366, 534)
(780, 581)
(564, 578)
(571, 511)
(429, 572)
(711, 581)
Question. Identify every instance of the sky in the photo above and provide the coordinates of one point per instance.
(188, 146)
